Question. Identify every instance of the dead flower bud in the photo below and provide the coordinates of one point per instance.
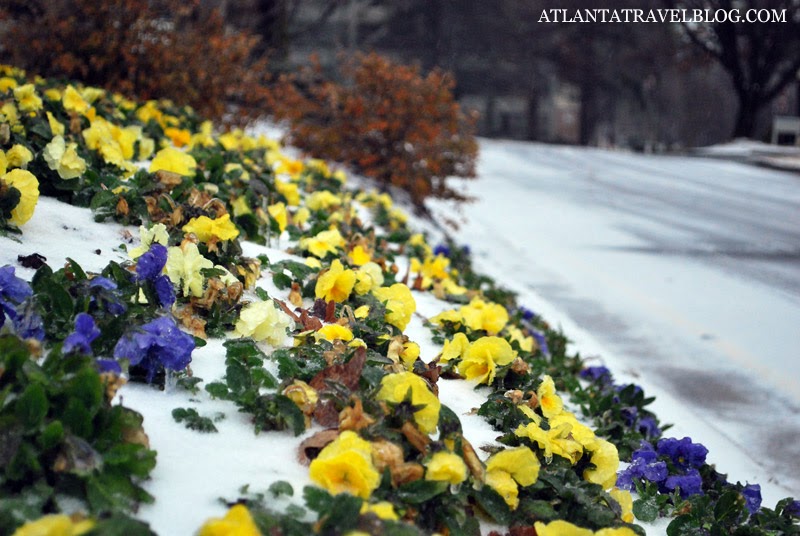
(295, 298)
(515, 395)
(168, 179)
(471, 459)
(122, 207)
(354, 417)
(419, 440)
(519, 366)
(112, 383)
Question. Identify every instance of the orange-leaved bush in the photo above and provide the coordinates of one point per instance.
(149, 49)
(385, 120)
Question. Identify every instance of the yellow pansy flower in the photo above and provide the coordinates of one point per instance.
(345, 466)
(368, 277)
(91, 94)
(178, 136)
(560, 528)
(383, 509)
(454, 348)
(9, 111)
(235, 166)
(520, 462)
(409, 354)
(27, 99)
(323, 200)
(400, 304)
(278, 213)
(263, 321)
(526, 344)
(481, 315)
(184, 264)
(237, 522)
(300, 217)
(56, 128)
(395, 388)
(24, 181)
(289, 191)
(55, 525)
(605, 458)
(206, 229)
(446, 467)
(505, 486)
(336, 284)
(240, 206)
(555, 441)
(549, 400)
(175, 160)
(18, 156)
(73, 101)
(63, 158)
(155, 234)
(482, 358)
(7, 83)
(323, 243)
(332, 332)
(358, 256)
(625, 500)
(361, 312)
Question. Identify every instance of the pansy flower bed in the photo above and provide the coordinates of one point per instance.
(323, 319)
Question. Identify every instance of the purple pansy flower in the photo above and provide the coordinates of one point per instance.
(690, 483)
(81, 339)
(541, 341)
(104, 294)
(108, 365)
(596, 374)
(648, 427)
(165, 291)
(683, 452)
(157, 344)
(644, 464)
(441, 249)
(792, 509)
(151, 263)
(13, 291)
(752, 497)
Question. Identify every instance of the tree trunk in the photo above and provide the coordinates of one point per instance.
(749, 106)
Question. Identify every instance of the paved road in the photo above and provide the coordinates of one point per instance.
(688, 269)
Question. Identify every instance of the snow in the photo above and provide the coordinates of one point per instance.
(630, 255)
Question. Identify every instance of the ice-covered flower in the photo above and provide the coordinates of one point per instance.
(511, 467)
(151, 263)
(396, 388)
(400, 304)
(752, 497)
(482, 358)
(605, 458)
(683, 452)
(63, 158)
(237, 522)
(644, 465)
(263, 321)
(81, 339)
(368, 277)
(13, 291)
(625, 501)
(174, 160)
(183, 267)
(345, 466)
(689, 483)
(155, 345)
(28, 187)
(446, 467)
(336, 284)
(206, 229)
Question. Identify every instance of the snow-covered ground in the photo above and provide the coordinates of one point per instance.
(683, 272)
(680, 274)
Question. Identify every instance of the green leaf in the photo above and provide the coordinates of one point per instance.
(218, 390)
(281, 487)
(237, 377)
(51, 435)
(493, 504)
(420, 491)
(193, 420)
(342, 515)
(645, 509)
(77, 418)
(282, 281)
(31, 407)
(119, 524)
(728, 505)
(262, 294)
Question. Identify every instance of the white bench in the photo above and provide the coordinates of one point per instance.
(785, 126)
